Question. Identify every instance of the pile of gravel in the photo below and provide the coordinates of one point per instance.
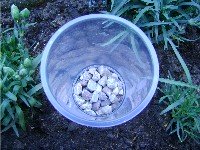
(99, 90)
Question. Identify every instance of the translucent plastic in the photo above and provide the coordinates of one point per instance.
(99, 39)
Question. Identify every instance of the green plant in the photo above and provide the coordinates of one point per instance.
(183, 103)
(18, 82)
(159, 19)
(182, 100)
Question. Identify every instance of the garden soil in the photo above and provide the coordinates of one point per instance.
(47, 129)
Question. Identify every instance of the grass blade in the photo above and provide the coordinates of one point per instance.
(117, 8)
(185, 68)
(34, 89)
(150, 24)
(24, 100)
(37, 60)
(11, 96)
(141, 13)
(178, 83)
(10, 111)
(165, 37)
(15, 130)
(164, 97)
(9, 126)
(173, 105)
(20, 116)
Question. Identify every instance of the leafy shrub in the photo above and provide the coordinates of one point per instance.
(18, 82)
(160, 19)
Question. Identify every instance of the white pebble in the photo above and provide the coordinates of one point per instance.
(105, 102)
(99, 112)
(121, 92)
(86, 76)
(90, 112)
(95, 97)
(102, 81)
(78, 89)
(103, 71)
(112, 98)
(92, 70)
(107, 91)
(83, 82)
(114, 75)
(111, 82)
(106, 109)
(96, 76)
(119, 85)
(86, 105)
(96, 105)
(116, 91)
(92, 85)
(102, 96)
(79, 100)
(86, 94)
(99, 88)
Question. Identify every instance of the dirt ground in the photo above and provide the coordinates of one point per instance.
(47, 129)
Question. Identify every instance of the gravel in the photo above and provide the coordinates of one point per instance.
(99, 90)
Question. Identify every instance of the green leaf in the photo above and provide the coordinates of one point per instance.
(15, 130)
(185, 68)
(3, 106)
(164, 97)
(112, 4)
(178, 130)
(150, 24)
(38, 104)
(6, 120)
(11, 96)
(25, 13)
(10, 111)
(20, 115)
(24, 83)
(34, 89)
(156, 33)
(15, 12)
(118, 7)
(16, 89)
(36, 60)
(8, 126)
(141, 13)
(24, 100)
(165, 35)
(178, 83)
(173, 105)
(176, 24)
(148, 1)
(30, 24)
(32, 101)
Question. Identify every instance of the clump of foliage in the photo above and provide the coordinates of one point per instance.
(18, 83)
(161, 20)
(184, 105)
(165, 21)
